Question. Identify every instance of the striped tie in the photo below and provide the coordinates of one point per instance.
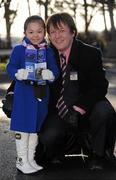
(62, 108)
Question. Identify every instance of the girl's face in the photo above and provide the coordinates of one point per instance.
(35, 32)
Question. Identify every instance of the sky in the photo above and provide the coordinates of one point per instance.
(17, 28)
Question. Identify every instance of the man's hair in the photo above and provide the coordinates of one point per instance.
(58, 18)
(34, 18)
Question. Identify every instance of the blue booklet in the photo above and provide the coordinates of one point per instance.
(35, 62)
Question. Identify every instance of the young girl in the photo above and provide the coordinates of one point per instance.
(32, 65)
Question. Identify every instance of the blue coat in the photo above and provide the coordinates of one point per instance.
(28, 113)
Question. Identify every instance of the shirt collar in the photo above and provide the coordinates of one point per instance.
(66, 53)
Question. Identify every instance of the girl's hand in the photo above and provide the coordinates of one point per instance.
(21, 74)
(47, 75)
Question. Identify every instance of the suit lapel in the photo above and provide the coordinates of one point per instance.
(74, 57)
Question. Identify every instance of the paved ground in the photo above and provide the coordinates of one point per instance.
(8, 153)
(7, 145)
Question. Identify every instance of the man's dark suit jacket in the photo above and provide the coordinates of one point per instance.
(87, 60)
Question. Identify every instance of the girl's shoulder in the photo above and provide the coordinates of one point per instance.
(49, 49)
(18, 48)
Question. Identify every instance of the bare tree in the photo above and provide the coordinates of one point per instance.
(104, 16)
(111, 52)
(90, 10)
(66, 4)
(46, 5)
(9, 16)
(29, 9)
(58, 6)
(1, 3)
(111, 4)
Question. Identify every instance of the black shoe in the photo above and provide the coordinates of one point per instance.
(110, 157)
(56, 161)
(95, 162)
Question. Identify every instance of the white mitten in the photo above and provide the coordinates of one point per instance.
(47, 75)
(21, 74)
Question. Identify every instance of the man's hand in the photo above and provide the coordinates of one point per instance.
(72, 118)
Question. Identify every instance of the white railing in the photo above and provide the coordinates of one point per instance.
(5, 52)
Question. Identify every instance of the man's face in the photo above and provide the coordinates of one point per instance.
(61, 37)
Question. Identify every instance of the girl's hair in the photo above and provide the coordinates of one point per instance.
(57, 19)
(34, 18)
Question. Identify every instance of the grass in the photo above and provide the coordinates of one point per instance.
(3, 66)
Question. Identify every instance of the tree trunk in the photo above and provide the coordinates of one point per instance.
(8, 26)
(113, 30)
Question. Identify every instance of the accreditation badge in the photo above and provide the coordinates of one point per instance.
(35, 62)
(73, 76)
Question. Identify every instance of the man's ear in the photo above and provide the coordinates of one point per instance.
(74, 34)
